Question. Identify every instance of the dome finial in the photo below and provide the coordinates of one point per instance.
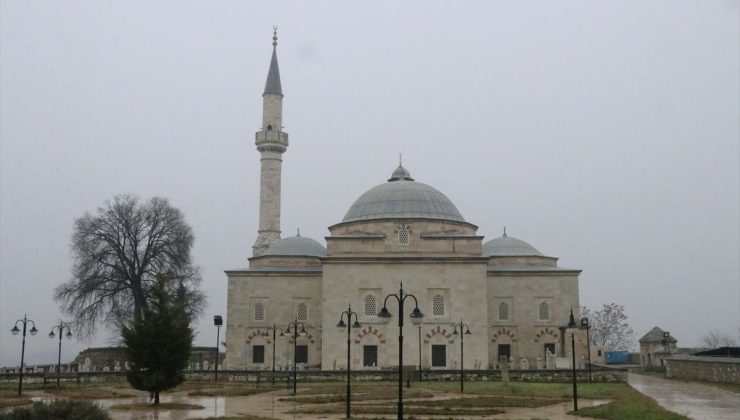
(298, 233)
(400, 159)
(504, 231)
(274, 35)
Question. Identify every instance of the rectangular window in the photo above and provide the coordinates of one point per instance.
(258, 354)
(370, 356)
(301, 354)
(504, 350)
(439, 355)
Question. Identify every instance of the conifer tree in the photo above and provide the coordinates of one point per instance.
(158, 345)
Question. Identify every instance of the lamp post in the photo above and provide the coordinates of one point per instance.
(462, 340)
(60, 328)
(585, 324)
(15, 331)
(416, 316)
(420, 372)
(349, 312)
(295, 325)
(275, 328)
(218, 322)
(572, 327)
(666, 341)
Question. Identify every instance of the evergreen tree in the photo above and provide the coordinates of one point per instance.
(158, 345)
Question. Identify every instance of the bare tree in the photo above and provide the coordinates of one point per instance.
(609, 327)
(119, 253)
(714, 339)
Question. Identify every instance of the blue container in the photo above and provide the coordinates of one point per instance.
(617, 357)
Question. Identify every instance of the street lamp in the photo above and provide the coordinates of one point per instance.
(218, 322)
(349, 312)
(666, 341)
(462, 340)
(296, 333)
(15, 331)
(275, 328)
(572, 327)
(60, 328)
(420, 372)
(585, 324)
(416, 316)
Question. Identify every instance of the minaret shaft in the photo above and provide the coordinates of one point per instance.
(271, 142)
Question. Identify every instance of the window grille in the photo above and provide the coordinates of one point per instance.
(403, 236)
(371, 306)
(259, 311)
(439, 355)
(258, 354)
(370, 356)
(503, 311)
(301, 354)
(302, 312)
(438, 305)
(544, 311)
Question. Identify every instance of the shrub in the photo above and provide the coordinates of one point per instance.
(58, 410)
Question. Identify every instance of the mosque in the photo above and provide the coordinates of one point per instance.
(514, 299)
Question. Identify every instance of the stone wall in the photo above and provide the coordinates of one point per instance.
(711, 369)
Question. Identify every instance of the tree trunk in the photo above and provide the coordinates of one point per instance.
(156, 397)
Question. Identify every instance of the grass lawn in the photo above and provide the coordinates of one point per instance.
(626, 404)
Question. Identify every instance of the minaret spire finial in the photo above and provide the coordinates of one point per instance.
(274, 35)
(504, 231)
(299, 232)
(400, 159)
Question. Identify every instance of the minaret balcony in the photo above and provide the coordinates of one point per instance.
(271, 140)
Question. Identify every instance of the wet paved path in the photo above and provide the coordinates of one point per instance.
(693, 400)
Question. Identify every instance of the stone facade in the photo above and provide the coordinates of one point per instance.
(514, 300)
(711, 369)
(656, 346)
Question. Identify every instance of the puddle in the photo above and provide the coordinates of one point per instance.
(212, 407)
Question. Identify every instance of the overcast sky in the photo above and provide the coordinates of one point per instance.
(603, 133)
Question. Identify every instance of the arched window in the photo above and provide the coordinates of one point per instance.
(259, 311)
(403, 236)
(302, 312)
(371, 306)
(269, 127)
(503, 311)
(438, 305)
(544, 311)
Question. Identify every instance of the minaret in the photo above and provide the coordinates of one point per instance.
(271, 142)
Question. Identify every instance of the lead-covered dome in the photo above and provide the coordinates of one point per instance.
(402, 197)
(296, 246)
(507, 246)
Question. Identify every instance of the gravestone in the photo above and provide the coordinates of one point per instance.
(504, 363)
(540, 365)
(549, 360)
(524, 364)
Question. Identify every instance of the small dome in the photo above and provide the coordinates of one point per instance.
(402, 197)
(506, 246)
(400, 174)
(296, 246)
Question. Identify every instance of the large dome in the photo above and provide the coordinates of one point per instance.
(402, 197)
(506, 246)
(296, 246)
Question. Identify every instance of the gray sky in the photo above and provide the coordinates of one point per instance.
(603, 133)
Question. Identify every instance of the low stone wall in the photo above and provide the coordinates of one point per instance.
(711, 369)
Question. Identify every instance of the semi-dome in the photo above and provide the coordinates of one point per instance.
(296, 246)
(402, 197)
(506, 246)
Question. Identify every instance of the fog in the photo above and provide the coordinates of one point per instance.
(605, 134)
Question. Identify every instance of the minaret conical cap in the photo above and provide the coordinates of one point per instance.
(272, 86)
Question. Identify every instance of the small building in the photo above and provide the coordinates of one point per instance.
(655, 347)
